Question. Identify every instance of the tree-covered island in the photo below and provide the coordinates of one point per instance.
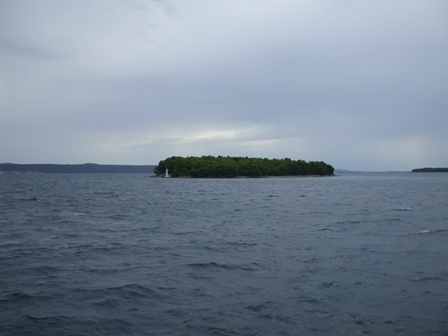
(430, 170)
(226, 167)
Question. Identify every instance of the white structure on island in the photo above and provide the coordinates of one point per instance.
(166, 173)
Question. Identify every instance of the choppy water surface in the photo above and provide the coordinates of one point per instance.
(114, 254)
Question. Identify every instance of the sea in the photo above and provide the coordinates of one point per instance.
(127, 254)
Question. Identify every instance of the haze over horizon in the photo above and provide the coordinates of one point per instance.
(360, 85)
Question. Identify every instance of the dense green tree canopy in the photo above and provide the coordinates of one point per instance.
(211, 166)
(430, 170)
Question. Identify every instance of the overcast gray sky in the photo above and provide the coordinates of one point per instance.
(358, 84)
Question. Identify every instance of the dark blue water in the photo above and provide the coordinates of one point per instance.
(114, 254)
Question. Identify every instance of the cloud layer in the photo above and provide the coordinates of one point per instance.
(357, 84)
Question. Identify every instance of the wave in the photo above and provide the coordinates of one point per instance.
(428, 278)
(427, 232)
(31, 199)
(403, 209)
(34, 324)
(218, 266)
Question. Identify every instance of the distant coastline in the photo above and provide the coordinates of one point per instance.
(75, 168)
(430, 170)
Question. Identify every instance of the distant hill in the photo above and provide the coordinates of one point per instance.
(430, 170)
(75, 168)
(340, 170)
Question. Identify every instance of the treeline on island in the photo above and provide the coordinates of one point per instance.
(211, 166)
(430, 170)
